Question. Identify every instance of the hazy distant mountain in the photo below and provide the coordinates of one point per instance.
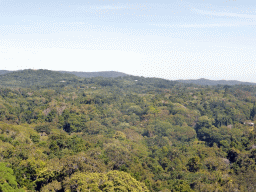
(27, 78)
(2, 72)
(42, 77)
(80, 74)
(203, 81)
(96, 74)
(46, 78)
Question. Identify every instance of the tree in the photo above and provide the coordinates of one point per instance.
(194, 164)
(7, 179)
(253, 111)
(153, 110)
(111, 181)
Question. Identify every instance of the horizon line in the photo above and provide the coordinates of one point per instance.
(129, 75)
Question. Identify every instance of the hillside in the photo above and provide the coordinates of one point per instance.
(2, 72)
(59, 132)
(28, 78)
(79, 74)
(96, 74)
(46, 78)
(114, 74)
(203, 81)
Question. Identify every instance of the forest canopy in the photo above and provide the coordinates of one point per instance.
(60, 132)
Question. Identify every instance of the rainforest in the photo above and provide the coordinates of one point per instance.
(63, 132)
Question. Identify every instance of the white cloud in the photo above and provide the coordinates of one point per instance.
(225, 14)
(208, 25)
(105, 7)
(108, 7)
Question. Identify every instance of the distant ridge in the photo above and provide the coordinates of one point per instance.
(50, 75)
(96, 74)
(2, 72)
(80, 74)
(29, 77)
(43, 77)
(203, 81)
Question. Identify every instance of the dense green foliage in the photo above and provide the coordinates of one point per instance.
(7, 179)
(125, 134)
(96, 74)
(28, 78)
(20, 73)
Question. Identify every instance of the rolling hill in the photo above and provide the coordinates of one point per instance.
(79, 74)
(28, 78)
(2, 72)
(96, 74)
(203, 81)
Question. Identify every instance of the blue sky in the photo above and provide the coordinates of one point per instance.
(179, 39)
